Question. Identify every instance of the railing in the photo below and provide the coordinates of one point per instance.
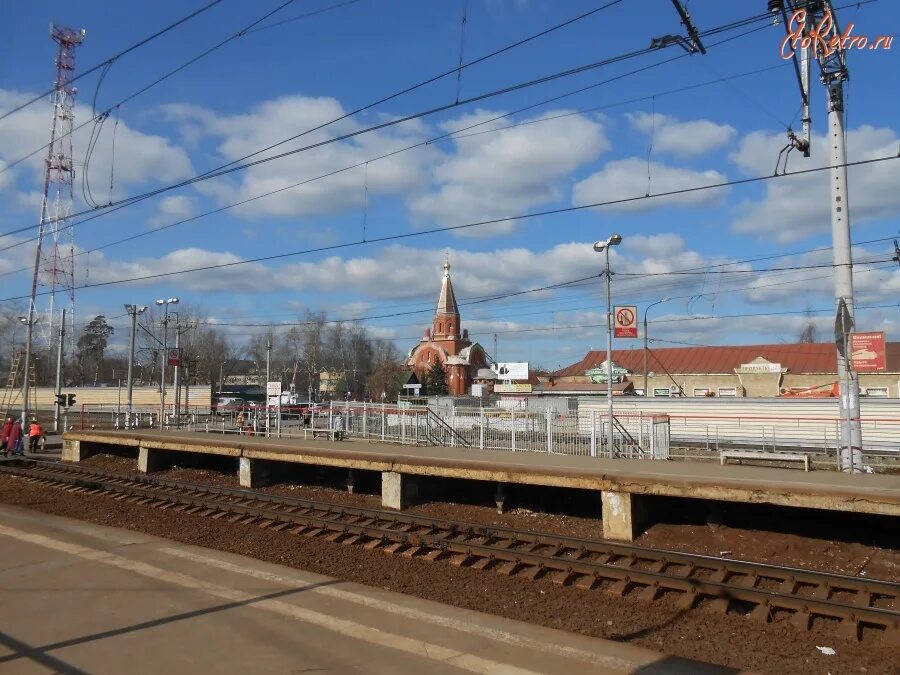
(634, 436)
(765, 424)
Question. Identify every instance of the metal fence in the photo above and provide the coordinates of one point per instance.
(634, 436)
(551, 431)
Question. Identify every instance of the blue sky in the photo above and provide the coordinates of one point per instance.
(274, 83)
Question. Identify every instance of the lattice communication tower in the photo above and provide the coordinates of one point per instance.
(54, 263)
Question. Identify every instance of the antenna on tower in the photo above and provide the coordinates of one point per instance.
(54, 258)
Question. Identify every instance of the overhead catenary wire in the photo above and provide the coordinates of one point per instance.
(454, 228)
(116, 56)
(453, 134)
(151, 85)
(233, 166)
(559, 327)
(400, 150)
(423, 308)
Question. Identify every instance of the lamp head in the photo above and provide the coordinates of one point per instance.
(614, 240)
(129, 308)
(173, 301)
(23, 319)
(160, 302)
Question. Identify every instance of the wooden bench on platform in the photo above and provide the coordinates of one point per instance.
(765, 456)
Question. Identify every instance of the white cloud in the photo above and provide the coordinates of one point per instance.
(508, 171)
(172, 209)
(627, 179)
(683, 139)
(399, 273)
(270, 122)
(873, 283)
(139, 159)
(243, 278)
(797, 207)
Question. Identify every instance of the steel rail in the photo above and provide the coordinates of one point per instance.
(588, 563)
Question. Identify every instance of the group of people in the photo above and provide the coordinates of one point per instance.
(12, 440)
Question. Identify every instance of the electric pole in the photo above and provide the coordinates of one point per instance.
(59, 366)
(133, 311)
(812, 14)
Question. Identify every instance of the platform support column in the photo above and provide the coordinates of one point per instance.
(397, 489)
(76, 451)
(623, 515)
(500, 497)
(253, 473)
(149, 460)
(71, 450)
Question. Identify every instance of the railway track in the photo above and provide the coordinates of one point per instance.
(763, 592)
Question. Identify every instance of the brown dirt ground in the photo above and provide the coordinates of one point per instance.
(740, 543)
(730, 640)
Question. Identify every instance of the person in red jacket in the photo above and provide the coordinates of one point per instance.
(4, 436)
(15, 437)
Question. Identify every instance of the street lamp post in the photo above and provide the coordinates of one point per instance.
(603, 247)
(133, 311)
(162, 387)
(29, 332)
(646, 338)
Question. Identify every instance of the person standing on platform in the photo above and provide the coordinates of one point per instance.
(4, 436)
(14, 442)
(339, 427)
(35, 434)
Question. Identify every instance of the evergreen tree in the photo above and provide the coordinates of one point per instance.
(436, 380)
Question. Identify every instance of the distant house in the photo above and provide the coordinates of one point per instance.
(725, 371)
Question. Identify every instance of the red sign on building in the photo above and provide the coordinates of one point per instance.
(625, 322)
(867, 352)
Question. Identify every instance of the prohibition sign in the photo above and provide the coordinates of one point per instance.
(625, 321)
(624, 317)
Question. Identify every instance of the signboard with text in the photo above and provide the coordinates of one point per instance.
(514, 388)
(625, 322)
(273, 388)
(867, 352)
(174, 356)
(511, 371)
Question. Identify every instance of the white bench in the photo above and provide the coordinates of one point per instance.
(738, 455)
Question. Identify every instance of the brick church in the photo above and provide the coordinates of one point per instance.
(447, 343)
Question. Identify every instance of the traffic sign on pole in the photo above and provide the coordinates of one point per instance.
(625, 322)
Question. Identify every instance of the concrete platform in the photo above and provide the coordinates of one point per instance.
(622, 483)
(80, 598)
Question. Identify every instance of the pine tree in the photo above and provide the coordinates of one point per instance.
(436, 380)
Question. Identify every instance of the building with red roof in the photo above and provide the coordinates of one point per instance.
(808, 369)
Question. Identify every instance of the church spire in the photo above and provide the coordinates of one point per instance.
(446, 316)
